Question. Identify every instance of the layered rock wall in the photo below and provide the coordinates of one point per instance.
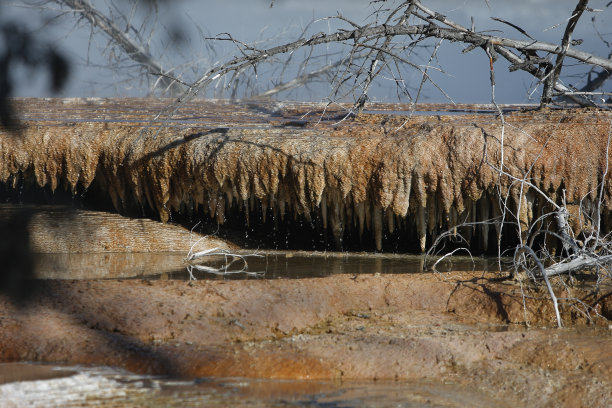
(372, 175)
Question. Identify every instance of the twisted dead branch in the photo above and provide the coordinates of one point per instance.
(384, 42)
(555, 72)
(381, 48)
(232, 264)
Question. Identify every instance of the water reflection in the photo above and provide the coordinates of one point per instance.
(96, 386)
(271, 265)
(109, 265)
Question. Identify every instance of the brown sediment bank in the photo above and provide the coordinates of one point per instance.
(458, 328)
(376, 174)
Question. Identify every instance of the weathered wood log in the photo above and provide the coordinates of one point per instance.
(581, 262)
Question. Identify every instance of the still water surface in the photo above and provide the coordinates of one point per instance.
(263, 265)
(79, 386)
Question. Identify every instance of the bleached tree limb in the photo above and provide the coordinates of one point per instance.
(579, 263)
(565, 43)
(371, 33)
(521, 250)
(299, 81)
(376, 38)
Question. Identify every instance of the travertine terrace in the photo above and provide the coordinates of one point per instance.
(377, 174)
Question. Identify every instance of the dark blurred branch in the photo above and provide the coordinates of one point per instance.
(19, 47)
(17, 265)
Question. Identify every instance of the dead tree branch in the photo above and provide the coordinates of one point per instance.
(300, 80)
(374, 50)
(567, 36)
(133, 50)
(527, 250)
(436, 26)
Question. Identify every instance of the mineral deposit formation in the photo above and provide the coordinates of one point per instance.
(378, 174)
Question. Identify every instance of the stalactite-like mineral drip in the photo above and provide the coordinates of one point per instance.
(220, 210)
(425, 177)
(323, 207)
(377, 226)
(212, 204)
(452, 221)
(421, 226)
(390, 221)
(264, 209)
(281, 209)
(483, 211)
(337, 224)
(360, 211)
(245, 209)
(432, 211)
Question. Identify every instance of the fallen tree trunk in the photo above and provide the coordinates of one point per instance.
(579, 263)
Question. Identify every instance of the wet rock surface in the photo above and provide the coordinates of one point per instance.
(370, 182)
(458, 327)
(108, 387)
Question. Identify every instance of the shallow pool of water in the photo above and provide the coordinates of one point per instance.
(263, 265)
(78, 386)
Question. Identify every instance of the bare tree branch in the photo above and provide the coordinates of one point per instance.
(517, 28)
(383, 41)
(550, 82)
(366, 37)
(132, 49)
(300, 80)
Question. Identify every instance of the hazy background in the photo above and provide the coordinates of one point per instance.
(178, 28)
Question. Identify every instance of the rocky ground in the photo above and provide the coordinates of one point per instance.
(455, 328)
(489, 339)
